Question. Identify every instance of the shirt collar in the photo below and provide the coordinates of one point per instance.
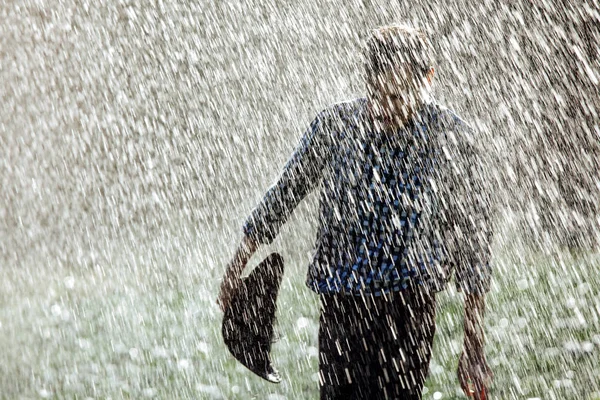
(417, 121)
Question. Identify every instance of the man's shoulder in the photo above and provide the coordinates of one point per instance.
(342, 117)
(444, 116)
(454, 128)
(346, 109)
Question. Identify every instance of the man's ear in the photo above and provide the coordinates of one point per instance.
(430, 74)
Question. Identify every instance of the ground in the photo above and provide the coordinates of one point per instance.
(145, 328)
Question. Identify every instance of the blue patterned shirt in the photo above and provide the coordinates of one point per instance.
(394, 207)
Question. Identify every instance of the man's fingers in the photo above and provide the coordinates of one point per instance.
(464, 384)
(483, 394)
(463, 378)
(480, 394)
(482, 383)
(472, 383)
(474, 377)
(479, 389)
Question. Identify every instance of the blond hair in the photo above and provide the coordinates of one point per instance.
(390, 45)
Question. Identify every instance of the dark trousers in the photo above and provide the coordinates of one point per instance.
(375, 347)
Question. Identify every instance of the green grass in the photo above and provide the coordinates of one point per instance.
(136, 328)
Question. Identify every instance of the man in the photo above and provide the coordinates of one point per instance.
(403, 205)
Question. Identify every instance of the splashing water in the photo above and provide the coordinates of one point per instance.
(135, 137)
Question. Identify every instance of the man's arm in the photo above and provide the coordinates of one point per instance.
(471, 208)
(234, 269)
(473, 323)
(474, 374)
(473, 234)
(300, 175)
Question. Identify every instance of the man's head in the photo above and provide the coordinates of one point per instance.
(398, 70)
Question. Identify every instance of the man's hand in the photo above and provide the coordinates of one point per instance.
(229, 285)
(231, 280)
(474, 375)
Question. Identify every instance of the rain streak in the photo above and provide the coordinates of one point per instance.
(136, 137)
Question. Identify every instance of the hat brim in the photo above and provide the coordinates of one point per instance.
(248, 321)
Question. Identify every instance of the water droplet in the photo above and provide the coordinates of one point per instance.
(302, 322)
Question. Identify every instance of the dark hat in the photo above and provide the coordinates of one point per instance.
(248, 322)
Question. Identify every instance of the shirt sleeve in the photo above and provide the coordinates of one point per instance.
(300, 175)
(471, 228)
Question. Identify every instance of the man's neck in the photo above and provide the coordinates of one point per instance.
(392, 125)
